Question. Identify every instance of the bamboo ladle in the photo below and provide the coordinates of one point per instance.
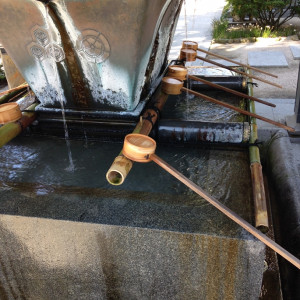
(141, 148)
(173, 86)
(181, 73)
(10, 112)
(194, 45)
(191, 55)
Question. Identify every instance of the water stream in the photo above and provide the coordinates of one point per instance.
(71, 166)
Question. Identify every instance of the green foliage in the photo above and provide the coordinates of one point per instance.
(2, 74)
(273, 13)
(222, 30)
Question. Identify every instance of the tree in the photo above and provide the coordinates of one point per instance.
(272, 13)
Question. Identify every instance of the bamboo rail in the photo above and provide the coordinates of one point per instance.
(259, 195)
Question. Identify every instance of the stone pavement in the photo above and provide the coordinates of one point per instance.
(195, 23)
(287, 73)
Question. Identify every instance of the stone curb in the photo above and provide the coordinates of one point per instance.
(252, 40)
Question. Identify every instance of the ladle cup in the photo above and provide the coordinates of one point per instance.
(141, 148)
(9, 112)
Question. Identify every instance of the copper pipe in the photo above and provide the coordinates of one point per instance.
(225, 210)
(237, 109)
(220, 87)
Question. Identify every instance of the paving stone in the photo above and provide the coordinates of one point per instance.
(221, 61)
(295, 51)
(267, 59)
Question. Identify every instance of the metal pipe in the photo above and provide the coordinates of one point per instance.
(259, 196)
(231, 91)
(121, 166)
(193, 132)
(11, 130)
(237, 83)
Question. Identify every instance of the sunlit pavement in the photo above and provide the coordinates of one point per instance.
(195, 23)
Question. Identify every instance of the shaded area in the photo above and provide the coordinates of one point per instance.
(284, 168)
(46, 259)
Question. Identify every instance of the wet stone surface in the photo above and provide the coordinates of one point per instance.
(35, 181)
(190, 107)
(70, 235)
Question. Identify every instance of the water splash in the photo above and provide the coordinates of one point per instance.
(71, 167)
(185, 19)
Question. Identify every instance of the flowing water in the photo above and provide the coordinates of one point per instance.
(71, 166)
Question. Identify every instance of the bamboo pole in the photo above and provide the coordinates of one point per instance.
(22, 93)
(237, 109)
(121, 166)
(259, 195)
(220, 87)
(20, 87)
(11, 130)
(225, 210)
(8, 97)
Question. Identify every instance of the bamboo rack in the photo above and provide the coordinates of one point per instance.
(193, 45)
(191, 55)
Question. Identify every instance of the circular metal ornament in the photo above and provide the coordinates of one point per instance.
(36, 50)
(56, 52)
(93, 45)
